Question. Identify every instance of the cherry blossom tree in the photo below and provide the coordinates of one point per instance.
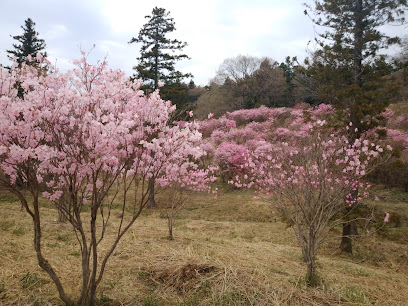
(84, 139)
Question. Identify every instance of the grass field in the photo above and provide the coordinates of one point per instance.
(231, 251)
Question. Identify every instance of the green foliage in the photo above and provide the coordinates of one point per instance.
(392, 174)
(62, 237)
(8, 198)
(3, 294)
(29, 43)
(104, 300)
(348, 68)
(354, 295)
(232, 297)
(151, 301)
(19, 231)
(30, 280)
(177, 93)
(313, 280)
(157, 53)
(288, 68)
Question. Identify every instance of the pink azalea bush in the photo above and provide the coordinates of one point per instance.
(75, 137)
(399, 137)
(307, 180)
(323, 109)
(399, 122)
(181, 176)
(239, 136)
(230, 158)
(207, 127)
(261, 114)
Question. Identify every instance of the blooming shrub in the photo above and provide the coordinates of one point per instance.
(400, 122)
(261, 114)
(207, 127)
(230, 158)
(400, 137)
(323, 109)
(307, 179)
(74, 137)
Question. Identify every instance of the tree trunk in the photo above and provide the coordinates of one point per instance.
(346, 242)
(349, 230)
(358, 42)
(312, 278)
(42, 262)
(85, 276)
(170, 223)
(61, 207)
(151, 203)
(92, 281)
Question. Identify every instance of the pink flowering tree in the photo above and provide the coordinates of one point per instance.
(180, 191)
(307, 180)
(180, 176)
(83, 139)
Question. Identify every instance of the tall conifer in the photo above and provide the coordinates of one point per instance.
(29, 43)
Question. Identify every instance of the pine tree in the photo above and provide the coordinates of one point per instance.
(29, 43)
(349, 65)
(156, 63)
(157, 53)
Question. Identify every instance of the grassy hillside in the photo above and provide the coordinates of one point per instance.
(231, 251)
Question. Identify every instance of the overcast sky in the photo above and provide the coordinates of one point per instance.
(214, 30)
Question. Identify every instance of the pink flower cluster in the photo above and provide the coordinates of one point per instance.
(261, 114)
(207, 127)
(398, 136)
(273, 124)
(230, 157)
(239, 136)
(322, 166)
(400, 122)
(77, 129)
(323, 109)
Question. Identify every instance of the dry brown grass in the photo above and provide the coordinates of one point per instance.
(233, 251)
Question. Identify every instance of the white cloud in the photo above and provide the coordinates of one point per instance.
(214, 30)
(56, 31)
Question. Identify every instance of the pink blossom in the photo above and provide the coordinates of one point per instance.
(323, 109)
(387, 217)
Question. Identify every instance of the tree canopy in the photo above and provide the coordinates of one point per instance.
(157, 52)
(349, 64)
(29, 44)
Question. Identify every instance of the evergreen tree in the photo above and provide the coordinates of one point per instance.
(157, 53)
(156, 63)
(349, 66)
(29, 43)
(176, 92)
